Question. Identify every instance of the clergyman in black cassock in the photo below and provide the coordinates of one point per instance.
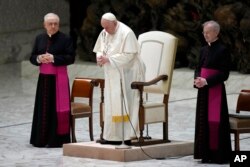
(212, 129)
(53, 51)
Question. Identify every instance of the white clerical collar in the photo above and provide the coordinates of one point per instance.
(209, 43)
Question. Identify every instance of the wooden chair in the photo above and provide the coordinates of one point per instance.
(82, 88)
(239, 122)
(158, 52)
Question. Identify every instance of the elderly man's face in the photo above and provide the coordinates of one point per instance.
(109, 26)
(210, 34)
(51, 25)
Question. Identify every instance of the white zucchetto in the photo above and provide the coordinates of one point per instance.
(109, 16)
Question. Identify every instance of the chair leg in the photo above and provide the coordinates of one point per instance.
(165, 131)
(91, 128)
(147, 135)
(237, 141)
(141, 139)
(73, 130)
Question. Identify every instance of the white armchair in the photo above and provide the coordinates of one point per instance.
(158, 51)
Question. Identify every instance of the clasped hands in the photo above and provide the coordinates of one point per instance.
(200, 82)
(46, 58)
(101, 60)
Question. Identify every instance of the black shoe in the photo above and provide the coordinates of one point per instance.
(53, 146)
(103, 141)
(221, 162)
(99, 140)
(206, 161)
(128, 142)
(110, 142)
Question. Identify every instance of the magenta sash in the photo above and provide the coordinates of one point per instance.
(62, 95)
(214, 108)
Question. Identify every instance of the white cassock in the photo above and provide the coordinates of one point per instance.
(125, 65)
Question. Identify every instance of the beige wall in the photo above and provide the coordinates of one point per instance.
(21, 21)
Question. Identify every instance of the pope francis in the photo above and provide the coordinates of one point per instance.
(117, 51)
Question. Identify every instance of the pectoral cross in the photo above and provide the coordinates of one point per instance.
(106, 43)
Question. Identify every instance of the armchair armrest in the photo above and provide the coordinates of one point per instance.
(140, 85)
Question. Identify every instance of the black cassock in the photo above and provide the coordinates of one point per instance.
(213, 57)
(44, 124)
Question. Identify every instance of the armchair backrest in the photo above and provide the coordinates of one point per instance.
(158, 51)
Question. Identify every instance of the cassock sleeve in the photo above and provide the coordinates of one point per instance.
(67, 55)
(224, 60)
(98, 45)
(34, 53)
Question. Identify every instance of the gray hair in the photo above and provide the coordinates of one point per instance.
(51, 15)
(215, 25)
